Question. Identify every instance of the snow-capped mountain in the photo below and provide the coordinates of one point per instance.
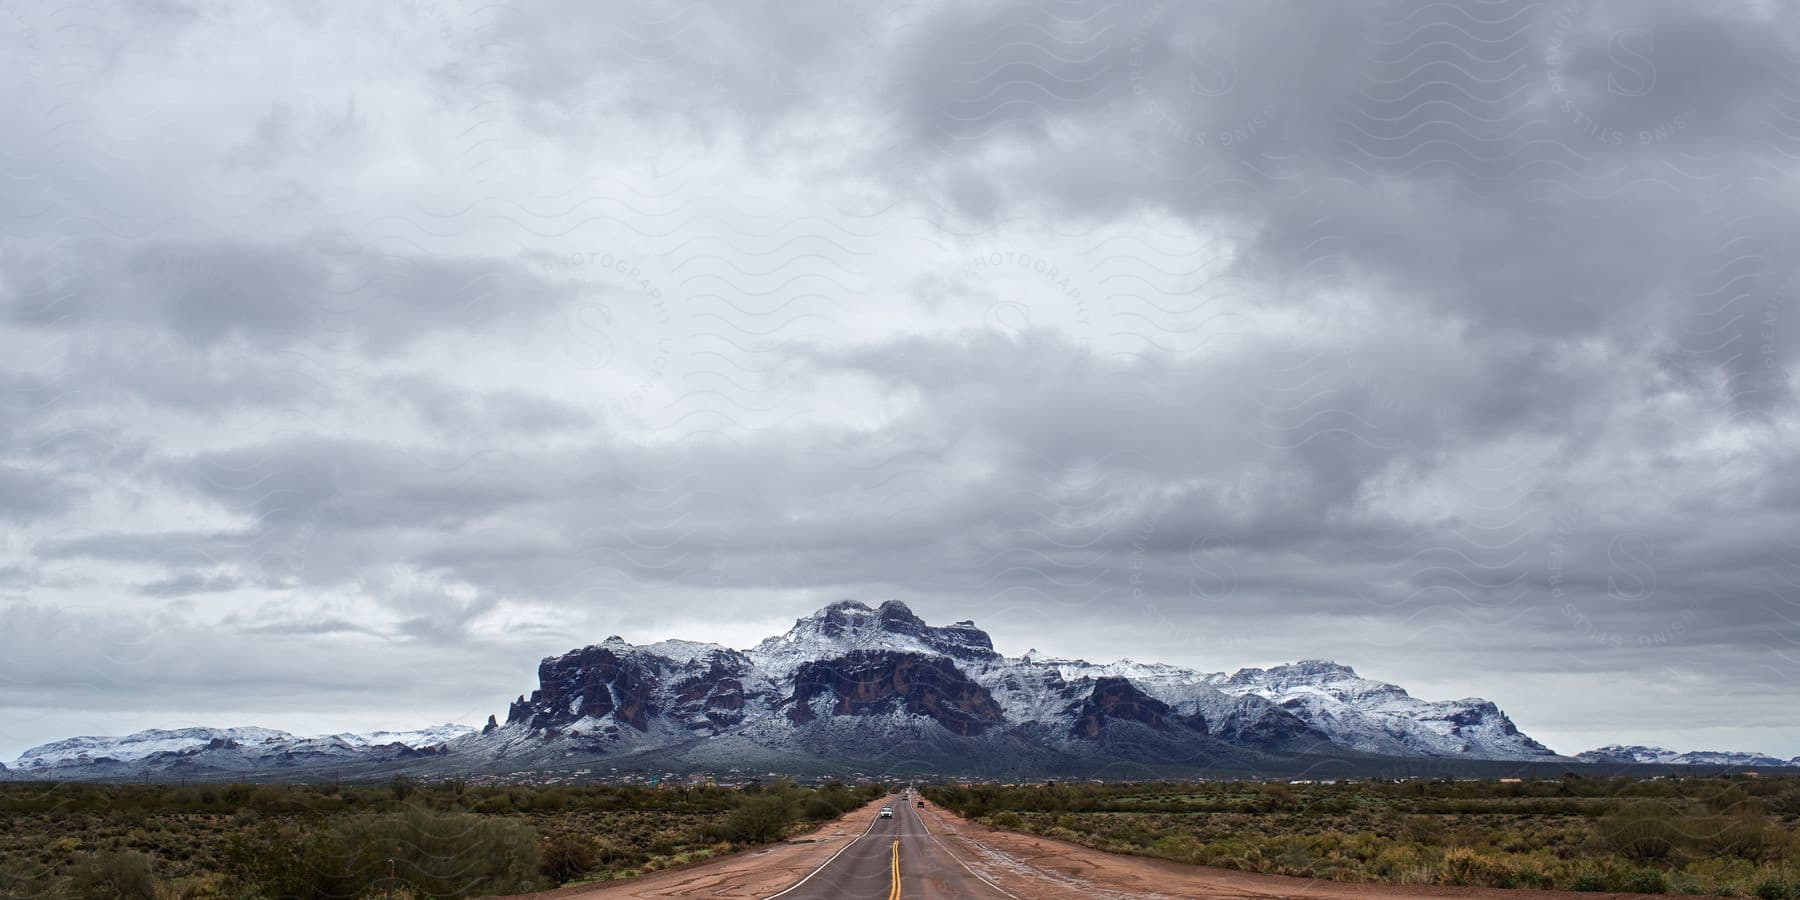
(245, 749)
(1378, 717)
(854, 685)
(1621, 753)
(844, 678)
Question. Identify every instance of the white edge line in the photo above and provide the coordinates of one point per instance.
(959, 862)
(833, 858)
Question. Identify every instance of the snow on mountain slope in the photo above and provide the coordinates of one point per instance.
(847, 626)
(1378, 717)
(259, 741)
(137, 746)
(1620, 753)
(418, 738)
(683, 651)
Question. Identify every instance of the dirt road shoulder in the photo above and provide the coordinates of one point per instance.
(753, 873)
(1038, 867)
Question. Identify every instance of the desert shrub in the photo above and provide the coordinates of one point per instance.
(1463, 865)
(22, 878)
(1746, 836)
(113, 876)
(566, 855)
(1396, 859)
(499, 803)
(1007, 819)
(1588, 880)
(818, 808)
(1644, 831)
(1646, 881)
(1734, 800)
(550, 800)
(438, 854)
(433, 853)
(1531, 872)
(759, 819)
(1178, 847)
(1686, 885)
(1775, 889)
(1420, 830)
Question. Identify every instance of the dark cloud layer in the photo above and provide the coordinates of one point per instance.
(1453, 341)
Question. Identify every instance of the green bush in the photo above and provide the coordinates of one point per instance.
(1643, 832)
(818, 808)
(1462, 865)
(1746, 836)
(566, 856)
(1775, 889)
(1686, 885)
(113, 876)
(761, 818)
(1178, 847)
(1646, 881)
(1588, 881)
(433, 853)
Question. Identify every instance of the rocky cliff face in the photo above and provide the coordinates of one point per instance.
(885, 682)
(1117, 699)
(608, 680)
(611, 684)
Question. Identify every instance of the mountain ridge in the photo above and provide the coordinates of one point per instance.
(852, 684)
(1635, 753)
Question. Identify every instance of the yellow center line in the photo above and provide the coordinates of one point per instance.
(894, 892)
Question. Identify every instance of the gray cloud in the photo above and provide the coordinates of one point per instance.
(185, 583)
(305, 292)
(1452, 342)
(26, 494)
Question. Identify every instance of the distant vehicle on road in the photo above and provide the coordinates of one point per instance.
(921, 804)
(887, 812)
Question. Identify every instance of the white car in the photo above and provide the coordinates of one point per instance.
(887, 812)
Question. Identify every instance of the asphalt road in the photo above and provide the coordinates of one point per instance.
(895, 858)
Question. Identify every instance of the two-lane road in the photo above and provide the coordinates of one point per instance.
(911, 855)
(895, 858)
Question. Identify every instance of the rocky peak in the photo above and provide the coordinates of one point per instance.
(896, 616)
(1310, 671)
(1316, 675)
(851, 616)
(850, 625)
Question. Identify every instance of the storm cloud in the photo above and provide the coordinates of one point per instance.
(355, 359)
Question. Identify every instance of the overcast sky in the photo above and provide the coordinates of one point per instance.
(356, 356)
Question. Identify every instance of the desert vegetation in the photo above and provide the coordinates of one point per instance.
(1711, 836)
(401, 839)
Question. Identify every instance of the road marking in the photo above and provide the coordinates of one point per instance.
(894, 892)
(795, 886)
